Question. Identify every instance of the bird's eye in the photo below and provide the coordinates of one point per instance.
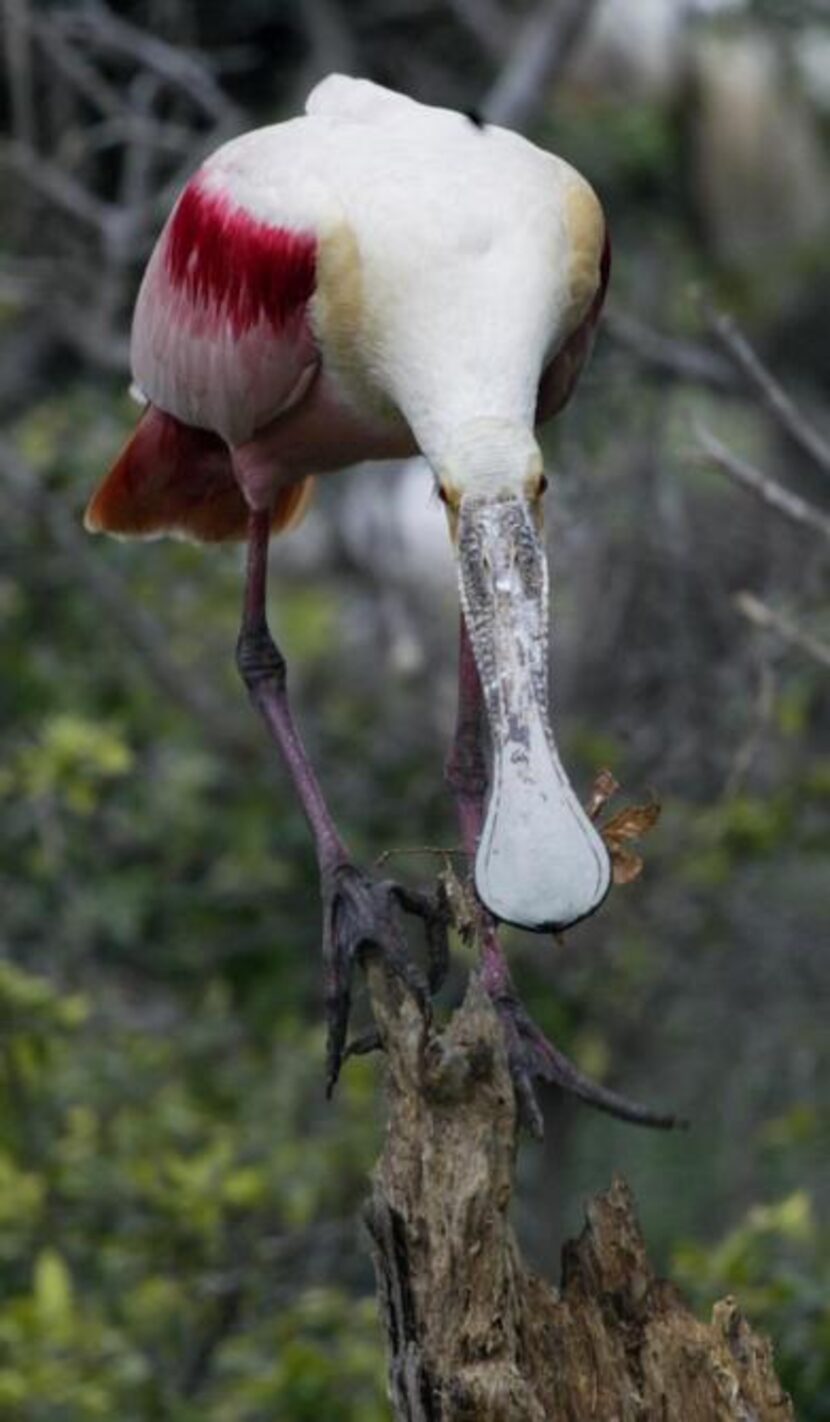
(442, 494)
(543, 484)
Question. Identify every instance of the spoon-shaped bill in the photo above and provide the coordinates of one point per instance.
(540, 862)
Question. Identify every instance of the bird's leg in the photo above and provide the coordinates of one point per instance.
(530, 1054)
(358, 913)
(262, 667)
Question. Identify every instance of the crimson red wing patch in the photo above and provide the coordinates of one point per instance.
(243, 270)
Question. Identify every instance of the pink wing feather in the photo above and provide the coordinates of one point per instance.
(221, 345)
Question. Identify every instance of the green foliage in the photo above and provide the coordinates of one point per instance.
(322, 1360)
(177, 1204)
(165, 1185)
(71, 761)
(777, 1262)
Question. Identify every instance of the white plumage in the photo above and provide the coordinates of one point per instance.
(449, 271)
(375, 279)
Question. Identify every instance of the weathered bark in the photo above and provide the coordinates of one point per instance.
(472, 1334)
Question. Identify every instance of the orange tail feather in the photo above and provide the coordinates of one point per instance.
(174, 479)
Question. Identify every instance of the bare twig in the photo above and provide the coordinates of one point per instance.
(97, 28)
(773, 396)
(128, 129)
(81, 51)
(140, 150)
(760, 614)
(73, 64)
(56, 185)
(545, 44)
(769, 491)
(667, 355)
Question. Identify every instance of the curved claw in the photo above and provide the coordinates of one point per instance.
(361, 915)
(531, 1055)
(434, 911)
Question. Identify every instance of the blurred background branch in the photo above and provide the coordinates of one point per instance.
(767, 618)
(542, 48)
(771, 493)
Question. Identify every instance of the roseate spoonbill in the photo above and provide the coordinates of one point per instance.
(373, 279)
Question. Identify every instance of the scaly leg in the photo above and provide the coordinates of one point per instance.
(358, 913)
(530, 1054)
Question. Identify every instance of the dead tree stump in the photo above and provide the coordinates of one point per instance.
(472, 1334)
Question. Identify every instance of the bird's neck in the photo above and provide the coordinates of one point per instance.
(487, 457)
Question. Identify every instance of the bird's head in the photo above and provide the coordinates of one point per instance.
(540, 862)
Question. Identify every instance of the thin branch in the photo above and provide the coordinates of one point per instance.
(75, 67)
(129, 113)
(545, 44)
(140, 150)
(760, 614)
(775, 399)
(128, 128)
(97, 28)
(52, 183)
(768, 490)
(680, 359)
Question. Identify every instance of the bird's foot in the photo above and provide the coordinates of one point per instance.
(363, 916)
(531, 1057)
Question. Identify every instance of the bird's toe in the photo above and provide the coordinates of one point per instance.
(531, 1057)
(362, 916)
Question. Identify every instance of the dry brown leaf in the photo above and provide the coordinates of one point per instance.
(625, 866)
(603, 789)
(631, 823)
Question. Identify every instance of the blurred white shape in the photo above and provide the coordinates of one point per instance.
(811, 49)
(388, 520)
(392, 521)
(760, 171)
(633, 47)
